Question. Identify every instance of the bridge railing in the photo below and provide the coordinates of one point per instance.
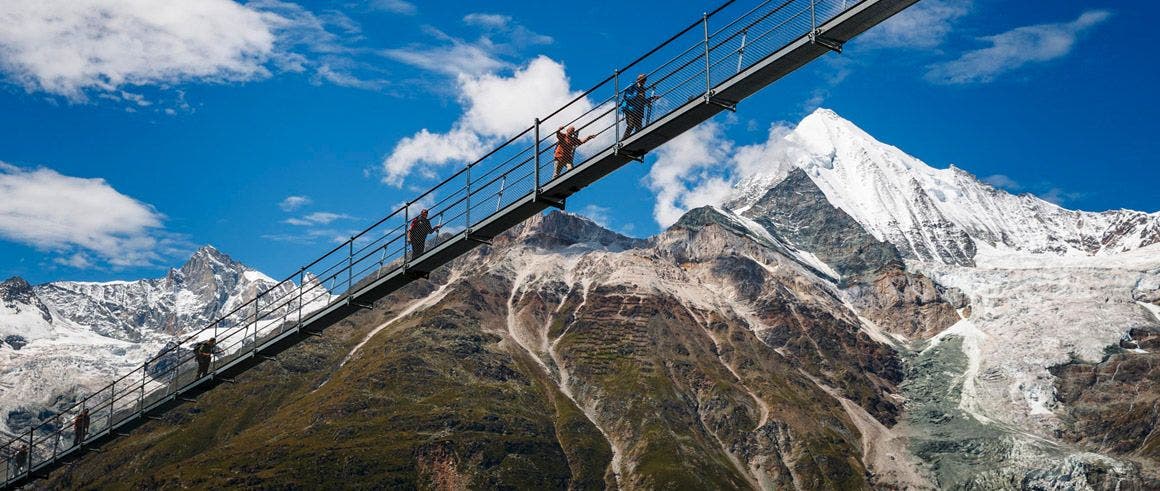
(685, 68)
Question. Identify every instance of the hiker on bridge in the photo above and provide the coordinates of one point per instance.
(80, 427)
(417, 232)
(21, 458)
(204, 352)
(634, 102)
(566, 143)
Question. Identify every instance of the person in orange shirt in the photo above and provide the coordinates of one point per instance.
(566, 143)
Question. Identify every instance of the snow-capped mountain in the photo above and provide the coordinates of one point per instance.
(937, 214)
(207, 287)
(61, 340)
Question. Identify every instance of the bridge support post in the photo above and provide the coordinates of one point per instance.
(301, 289)
(708, 77)
(406, 233)
(112, 402)
(813, 19)
(816, 36)
(467, 202)
(616, 107)
(28, 458)
(741, 52)
(349, 275)
(536, 160)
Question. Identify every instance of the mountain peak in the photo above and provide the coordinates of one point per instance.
(209, 256)
(563, 229)
(14, 283)
(209, 250)
(825, 114)
(15, 293)
(930, 213)
(15, 289)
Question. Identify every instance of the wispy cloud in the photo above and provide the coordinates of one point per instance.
(501, 37)
(1016, 48)
(456, 58)
(292, 203)
(1045, 190)
(395, 6)
(85, 221)
(513, 32)
(1059, 196)
(598, 214)
(494, 21)
(1002, 181)
(80, 48)
(317, 218)
(313, 236)
(311, 228)
(924, 25)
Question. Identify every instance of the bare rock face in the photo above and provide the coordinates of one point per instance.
(908, 304)
(905, 303)
(16, 295)
(1112, 406)
(797, 210)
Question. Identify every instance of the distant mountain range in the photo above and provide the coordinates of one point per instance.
(65, 339)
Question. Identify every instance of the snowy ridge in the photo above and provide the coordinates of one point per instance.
(62, 340)
(937, 214)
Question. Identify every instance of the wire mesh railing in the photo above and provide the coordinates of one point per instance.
(683, 69)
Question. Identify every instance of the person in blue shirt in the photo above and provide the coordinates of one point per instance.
(634, 102)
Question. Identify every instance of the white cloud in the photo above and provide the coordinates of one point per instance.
(688, 172)
(924, 25)
(74, 48)
(292, 203)
(395, 6)
(1014, 49)
(495, 108)
(83, 220)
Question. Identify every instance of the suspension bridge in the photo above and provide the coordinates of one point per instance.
(707, 67)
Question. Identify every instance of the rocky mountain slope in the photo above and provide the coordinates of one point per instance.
(568, 356)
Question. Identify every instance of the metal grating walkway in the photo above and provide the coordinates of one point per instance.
(707, 67)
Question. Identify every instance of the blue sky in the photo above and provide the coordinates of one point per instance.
(264, 128)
